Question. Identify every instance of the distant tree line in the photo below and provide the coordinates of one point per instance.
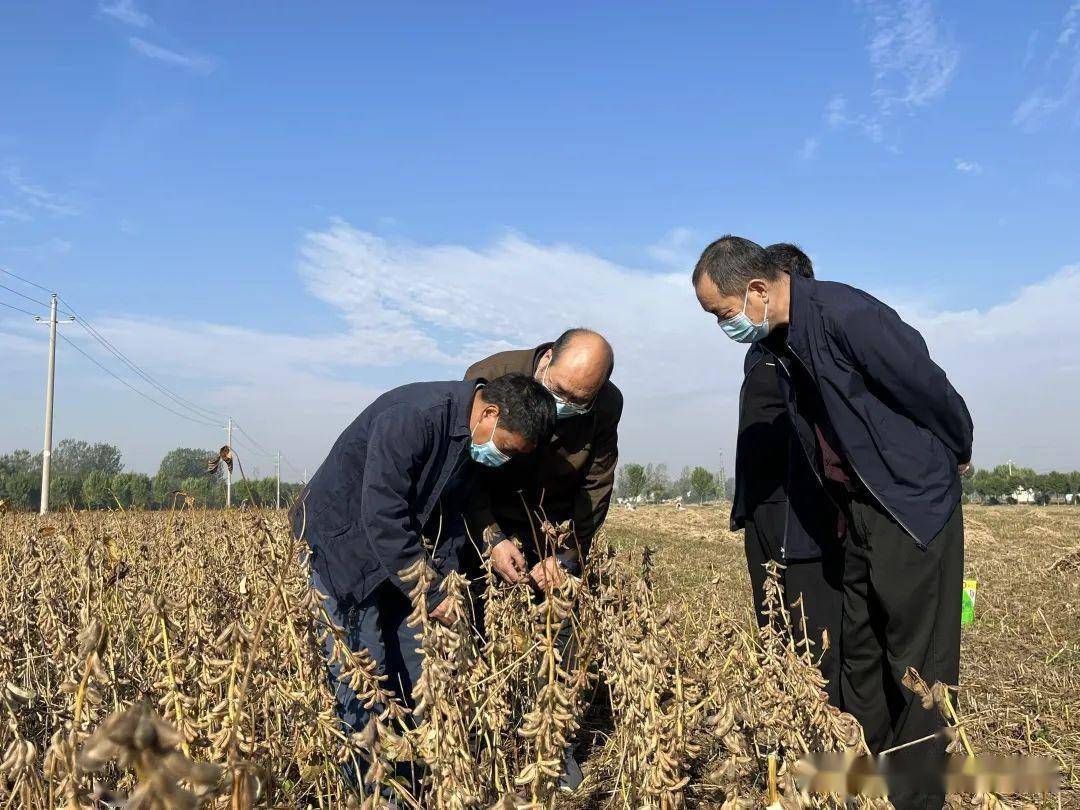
(91, 476)
(999, 484)
(652, 483)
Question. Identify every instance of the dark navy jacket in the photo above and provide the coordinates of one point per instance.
(902, 426)
(770, 466)
(379, 492)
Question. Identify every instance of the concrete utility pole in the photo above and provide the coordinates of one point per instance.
(228, 468)
(50, 385)
(278, 470)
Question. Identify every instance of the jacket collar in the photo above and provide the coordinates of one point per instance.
(538, 352)
(461, 398)
(798, 315)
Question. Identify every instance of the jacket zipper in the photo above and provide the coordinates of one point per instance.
(438, 503)
(742, 398)
(855, 469)
(809, 461)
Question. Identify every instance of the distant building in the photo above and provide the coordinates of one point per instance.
(1022, 495)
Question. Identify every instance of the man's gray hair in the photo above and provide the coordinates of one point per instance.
(732, 263)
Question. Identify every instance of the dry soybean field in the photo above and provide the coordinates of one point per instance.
(176, 659)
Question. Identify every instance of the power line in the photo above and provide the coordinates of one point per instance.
(27, 297)
(19, 309)
(193, 412)
(252, 439)
(290, 465)
(249, 448)
(26, 281)
(199, 412)
(183, 402)
(142, 394)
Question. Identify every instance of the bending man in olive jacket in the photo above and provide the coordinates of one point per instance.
(569, 478)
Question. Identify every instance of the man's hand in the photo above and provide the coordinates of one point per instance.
(444, 612)
(964, 469)
(547, 573)
(508, 561)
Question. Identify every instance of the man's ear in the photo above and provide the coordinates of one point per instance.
(759, 286)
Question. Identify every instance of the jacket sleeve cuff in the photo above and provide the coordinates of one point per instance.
(435, 594)
(493, 535)
(570, 561)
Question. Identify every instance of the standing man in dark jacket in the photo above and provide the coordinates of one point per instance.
(764, 467)
(887, 437)
(572, 476)
(393, 490)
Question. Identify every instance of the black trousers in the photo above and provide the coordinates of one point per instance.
(818, 582)
(901, 608)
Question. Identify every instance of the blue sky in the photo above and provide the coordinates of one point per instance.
(281, 209)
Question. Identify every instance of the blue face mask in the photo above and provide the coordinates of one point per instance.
(743, 330)
(564, 409)
(488, 453)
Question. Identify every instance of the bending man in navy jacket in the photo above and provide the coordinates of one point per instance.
(393, 490)
(887, 437)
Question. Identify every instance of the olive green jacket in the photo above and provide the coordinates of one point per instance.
(569, 479)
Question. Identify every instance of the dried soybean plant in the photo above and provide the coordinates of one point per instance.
(201, 629)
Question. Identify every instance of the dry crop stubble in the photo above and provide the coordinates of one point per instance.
(200, 629)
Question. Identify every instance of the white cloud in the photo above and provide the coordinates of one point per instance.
(838, 116)
(968, 166)
(37, 197)
(1060, 87)
(51, 247)
(1017, 366)
(913, 61)
(197, 63)
(14, 215)
(409, 311)
(678, 248)
(449, 304)
(913, 57)
(810, 148)
(127, 12)
(1029, 51)
(427, 312)
(1069, 26)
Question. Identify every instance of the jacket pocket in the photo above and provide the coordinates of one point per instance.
(331, 518)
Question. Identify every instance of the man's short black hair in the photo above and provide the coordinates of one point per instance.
(732, 263)
(525, 406)
(791, 259)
